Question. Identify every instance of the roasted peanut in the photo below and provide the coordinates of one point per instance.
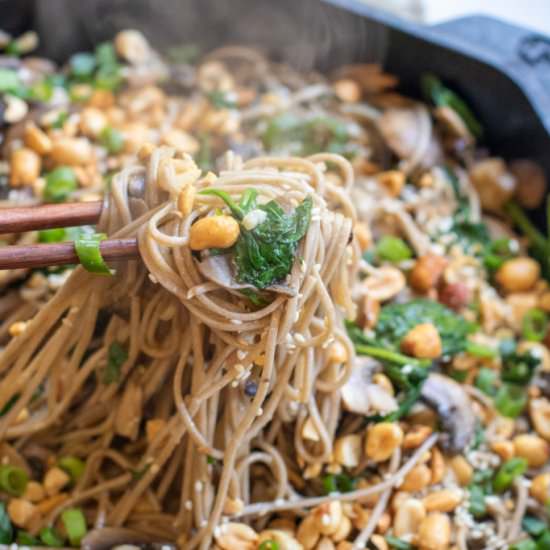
(21, 512)
(379, 542)
(518, 274)
(434, 532)
(72, 151)
(230, 536)
(370, 311)
(214, 232)
(36, 139)
(408, 517)
(284, 540)
(533, 448)
(417, 479)
(347, 450)
(180, 140)
(363, 235)
(392, 181)
(24, 167)
(54, 480)
(92, 122)
(308, 532)
(427, 271)
(328, 517)
(153, 427)
(382, 440)
(445, 500)
(415, 436)
(337, 353)
(540, 488)
(504, 449)
(462, 469)
(34, 492)
(343, 530)
(325, 544)
(422, 341)
(186, 199)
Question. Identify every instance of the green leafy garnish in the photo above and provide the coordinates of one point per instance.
(13, 480)
(393, 249)
(518, 368)
(477, 501)
(26, 539)
(269, 545)
(73, 465)
(507, 473)
(441, 96)
(9, 81)
(265, 254)
(89, 253)
(338, 483)
(75, 525)
(116, 357)
(396, 320)
(6, 528)
(534, 526)
(487, 381)
(498, 252)
(82, 65)
(59, 122)
(60, 183)
(510, 400)
(62, 234)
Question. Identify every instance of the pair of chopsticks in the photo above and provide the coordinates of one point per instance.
(50, 216)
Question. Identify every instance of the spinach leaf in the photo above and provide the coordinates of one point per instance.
(396, 320)
(116, 357)
(518, 368)
(265, 254)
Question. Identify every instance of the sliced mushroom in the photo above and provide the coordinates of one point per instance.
(531, 182)
(220, 270)
(452, 123)
(454, 409)
(110, 537)
(360, 395)
(494, 183)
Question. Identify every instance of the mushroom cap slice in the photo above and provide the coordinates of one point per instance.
(454, 409)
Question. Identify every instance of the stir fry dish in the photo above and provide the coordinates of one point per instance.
(337, 336)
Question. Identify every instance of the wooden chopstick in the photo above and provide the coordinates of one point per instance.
(49, 216)
(46, 255)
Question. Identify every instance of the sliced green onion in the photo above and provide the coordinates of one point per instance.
(73, 465)
(6, 528)
(393, 249)
(60, 183)
(41, 91)
(82, 65)
(393, 356)
(269, 545)
(486, 381)
(75, 525)
(510, 400)
(89, 253)
(477, 501)
(481, 350)
(13, 480)
(50, 537)
(105, 54)
(56, 235)
(26, 539)
(534, 325)
(527, 544)
(59, 122)
(112, 139)
(508, 472)
(543, 542)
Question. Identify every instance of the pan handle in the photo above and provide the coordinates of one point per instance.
(522, 53)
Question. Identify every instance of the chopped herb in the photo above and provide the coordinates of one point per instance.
(89, 253)
(265, 255)
(477, 501)
(498, 252)
(219, 100)
(82, 65)
(73, 465)
(534, 526)
(510, 400)
(487, 381)
(518, 368)
(211, 460)
(396, 320)
(75, 525)
(441, 96)
(13, 480)
(398, 544)
(59, 122)
(112, 139)
(507, 473)
(480, 350)
(6, 528)
(26, 539)
(338, 483)
(534, 325)
(60, 183)
(393, 249)
(9, 81)
(269, 545)
(255, 297)
(50, 537)
(7, 407)
(42, 91)
(116, 357)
